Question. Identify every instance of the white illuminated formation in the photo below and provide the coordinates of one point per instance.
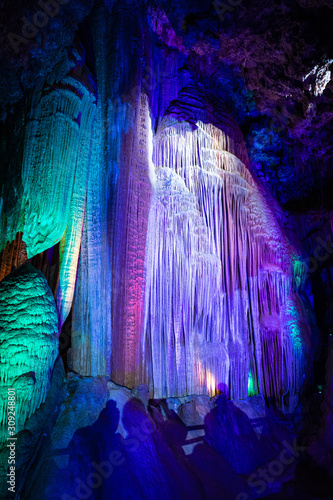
(219, 271)
(322, 75)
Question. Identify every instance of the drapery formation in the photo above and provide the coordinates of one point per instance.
(219, 298)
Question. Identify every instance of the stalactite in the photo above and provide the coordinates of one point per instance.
(28, 342)
(112, 251)
(51, 161)
(126, 356)
(219, 269)
(71, 239)
(183, 305)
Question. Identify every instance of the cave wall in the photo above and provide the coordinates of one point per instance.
(177, 266)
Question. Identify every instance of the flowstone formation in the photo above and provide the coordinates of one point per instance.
(28, 343)
(50, 208)
(221, 307)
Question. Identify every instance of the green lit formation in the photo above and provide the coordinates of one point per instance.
(251, 387)
(28, 343)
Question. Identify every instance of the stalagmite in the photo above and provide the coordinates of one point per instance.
(28, 343)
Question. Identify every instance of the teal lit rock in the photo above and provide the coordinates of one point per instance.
(28, 342)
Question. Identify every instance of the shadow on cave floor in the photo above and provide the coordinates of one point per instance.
(229, 456)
